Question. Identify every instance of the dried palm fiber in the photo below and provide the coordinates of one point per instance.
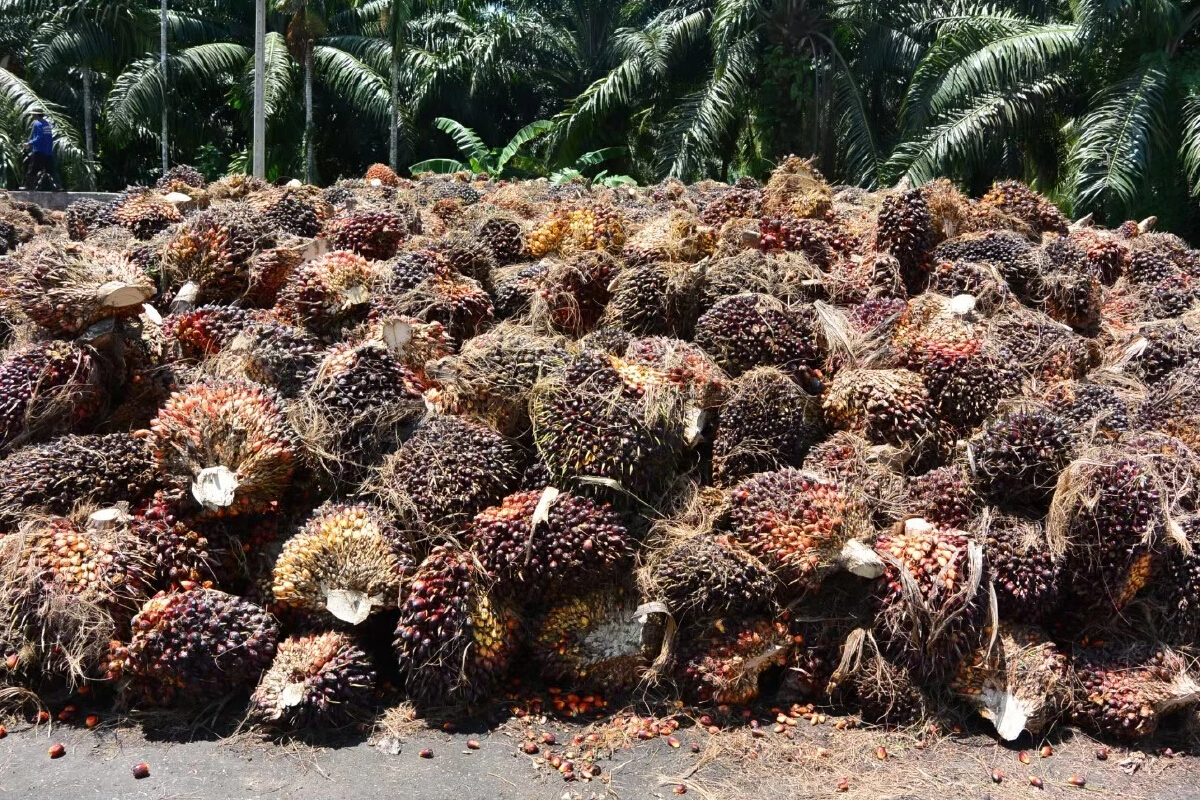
(932, 598)
(454, 639)
(345, 562)
(468, 255)
(1009, 252)
(796, 188)
(459, 303)
(884, 691)
(75, 470)
(273, 353)
(330, 292)
(316, 681)
(753, 330)
(194, 335)
(213, 250)
(516, 286)
(447, 471)
(1110, 517)
(374, 235)
(767, 423)
(595, 639)
(700, 573)
(573, 227)
(1124, 689)
(143, 212)
(822, 242)
(1016, 457)
(1026, 571)
(982, 281)
(66, 288)
(542, 541)
(943, 496)
(675, 237)
(1158, 349)
(1020, 682)
(801, 525)
(48, 387)
(904, 229)
(517, 198)
(734, 203)
(1039, 347)
(656, 298)
(178, 550)
(360, 403)
(787, 276)
(81, 218)
(720, 662)
(235, 187)
(382, 173)
(1093, 409)
(493, 375)
(1017, 199)
(601, 420)
(874, 470)
(952, 213)
(228, 443)
(885, 406)
(571, 295)
(189, 647)
(860, 278)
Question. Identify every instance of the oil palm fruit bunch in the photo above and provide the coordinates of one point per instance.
(795, 522)
(1017, 457)
(1017, 199)
(681, 367)
(67, 288)
(467, 254)
(705, 574)
(504, 236)
(1091, 407)
(228, 443)
(594, 639)
(884, 691)
(964, 376)
(143, 212)
(236, 187)
(720, 662)
(1022, 682)
(204, 331)
(875, 471)
(346, 561)
(943, 496)
(277, 355)
(449, 470)
(737, 203)
(1124, 690)
(657, 298)
(599, 420)
(317, 681)
(540, 541)
(571, 295)
(1150, 266)
(185, 174)
(294, 214)
(516, 286)
(1159, 349)
(329, 292)
(1176, 592)
(73, 470)
(753, 330)
(454, 640)
(1040, 348)
(81, 218)
(1027, 575)
(1111, 510)
(382, 173)
(982, 281)
(177, 550)
(904, 228)
(213, 250)
(1106, 256)
(573, 228)
(374, 235)
(189, 647)
(797, 188)
(459, 303)
(825, 244)
(359, 404)
(1174, 297)
(47, 387)
(1073, 296)
(493, 374)
(788, 276)
(886, 406)
(1008, 251)
(930, 598)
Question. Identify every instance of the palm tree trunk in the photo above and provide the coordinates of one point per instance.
(162, 61)
(308, 114)
(259, 158)
(88, 143)
(394, 108)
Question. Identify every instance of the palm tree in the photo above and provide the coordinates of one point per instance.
(304, 28)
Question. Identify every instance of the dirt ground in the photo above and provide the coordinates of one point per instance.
(738, 763)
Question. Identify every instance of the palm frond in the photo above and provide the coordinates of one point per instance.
(354, 82)
(442, 166)
(527, 134)
(467, 140)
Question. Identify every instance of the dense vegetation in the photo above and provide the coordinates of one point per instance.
(1095, 102)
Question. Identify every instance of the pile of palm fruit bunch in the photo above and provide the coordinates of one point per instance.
(453, 439)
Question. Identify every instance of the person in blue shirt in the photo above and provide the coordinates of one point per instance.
(41, 154)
